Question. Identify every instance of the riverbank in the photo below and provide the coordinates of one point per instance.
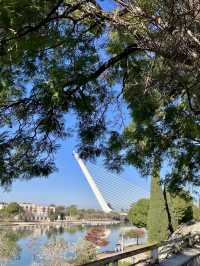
(72, 222)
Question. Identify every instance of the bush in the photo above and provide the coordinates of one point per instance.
(85, 252)
(138, 213)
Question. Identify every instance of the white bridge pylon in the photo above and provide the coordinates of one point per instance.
(92, 184)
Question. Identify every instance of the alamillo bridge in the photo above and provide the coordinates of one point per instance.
(113, 192)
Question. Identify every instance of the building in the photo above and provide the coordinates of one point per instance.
(36, 212)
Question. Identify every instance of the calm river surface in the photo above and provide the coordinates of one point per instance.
(21, 246)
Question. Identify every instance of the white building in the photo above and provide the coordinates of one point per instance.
(36, 212)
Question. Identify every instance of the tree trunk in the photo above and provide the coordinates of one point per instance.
(170, 225)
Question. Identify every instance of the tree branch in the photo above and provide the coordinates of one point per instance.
(82, 80)
(48, 18)
(43, 22)
(196, 112)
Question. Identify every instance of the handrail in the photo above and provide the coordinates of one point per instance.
(120, 256)
(153, 248)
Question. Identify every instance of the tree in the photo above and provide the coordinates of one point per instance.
(180, 206)
(49, 46)
(196, 213)
(97, 236)
(85, 252)
(72, 210)
(170, 211)
(12, 210)
(183, 207)
(161, 94)
(60, 212)
(50, 66)
(135, 233)
(52, 215)
(157, 223)
(138, 213)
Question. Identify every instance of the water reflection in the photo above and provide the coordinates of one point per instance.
(9, 248)
(54, 253)
(54, 244)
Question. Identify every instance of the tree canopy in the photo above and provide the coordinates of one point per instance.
(12, 210)
(183, 208)
(72, 56)
(157, 220)
(138, 213)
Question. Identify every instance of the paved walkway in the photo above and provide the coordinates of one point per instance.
(182, 259)
(112, 253)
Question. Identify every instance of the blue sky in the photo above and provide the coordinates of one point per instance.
(107, 4)
(67, 185)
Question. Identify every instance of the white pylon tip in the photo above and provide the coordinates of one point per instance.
(92, 184)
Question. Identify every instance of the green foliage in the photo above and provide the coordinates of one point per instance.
(157, 223)
(46, 55)
(51, 66)
(171, 208)
(138, 213)
(72, 210)
(11, 211)
(135, 233)
(180, 206)
(160, 96)
(183, 207)
(14, 208)
(196, 213)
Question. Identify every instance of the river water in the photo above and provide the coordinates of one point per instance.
(21, 245)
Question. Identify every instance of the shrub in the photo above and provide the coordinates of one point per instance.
(85, 252)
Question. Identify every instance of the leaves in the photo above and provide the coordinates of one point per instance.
(138, 213)
(74, 57)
